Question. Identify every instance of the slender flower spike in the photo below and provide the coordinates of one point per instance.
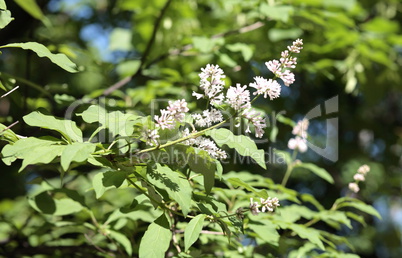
(254, 207)
(300, 129)
(266, 205)
(212, 84)
(151, 137)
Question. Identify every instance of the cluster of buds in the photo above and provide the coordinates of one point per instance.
(299, 143)
(359, 176)
(266, 205)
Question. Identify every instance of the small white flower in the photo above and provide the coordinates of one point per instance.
(297, 143)
(287, 77)
(165, 121)
(151, 136)
(297, 46)
(254, 207)
(274, 66)
(354, 187)
(364, 169)
(301, 127)
(359, 177)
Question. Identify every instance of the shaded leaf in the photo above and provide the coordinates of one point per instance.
(107, 180)
(237, 182)
(59, 59)
(123, 240)
(317, 170)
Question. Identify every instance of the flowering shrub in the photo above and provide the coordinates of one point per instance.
(170, 166)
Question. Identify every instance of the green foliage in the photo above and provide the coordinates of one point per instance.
(98, 186)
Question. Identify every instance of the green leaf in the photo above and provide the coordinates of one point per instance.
(156, 239)
(42, 155)
(5, 17)
(67, 128)
(311, 234)
(3, 5)
(31, 7)
(24, 148)
(44, 203)
(357, 204)
(177, 187)
(59, 59)
(237, 182)
(193, 230)
(7, 135)
(334, 217)
(317, 170)
(277, 12)
(266, 232)
(77, 152)
(108, 180)
(120, 39)
(199, 161)
(206, 45)
(245, 50)
(117, 122)
(242, 144)
(123, 240)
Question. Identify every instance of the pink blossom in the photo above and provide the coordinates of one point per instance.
(238, 97)
(266, 87)
(297, 143)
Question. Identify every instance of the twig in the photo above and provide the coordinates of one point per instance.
(144, 57)
(2, 96)
(178, 51)
(8, 127)
(203, 232)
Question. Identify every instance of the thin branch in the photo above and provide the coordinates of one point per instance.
(2, 96)
(203, 232)
(8, 127)
(174, 52)
(144, 57)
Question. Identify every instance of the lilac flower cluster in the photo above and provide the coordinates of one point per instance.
(212, 84)
(174, 113)
(268, 205)
(359, 176)
(281, 68)
(299, 143)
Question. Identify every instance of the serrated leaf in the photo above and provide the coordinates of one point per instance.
(76, 152)
(31, 7)
(59, 59)
(242, 144)
(237, 182)
(156, 239)
(193, 230)
(117, 122)
(123, 240)
(317, 170)
(178, 188)
(67, 128)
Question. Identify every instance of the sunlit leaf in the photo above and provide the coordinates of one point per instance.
(242, 144)
(31, 7)
(76, 152)
(156, 239)
(317, 170)
(193, 230)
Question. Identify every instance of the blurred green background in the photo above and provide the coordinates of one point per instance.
(155, 49)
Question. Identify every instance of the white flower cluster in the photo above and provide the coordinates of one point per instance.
(281, 68)
(174, 113)
(151, 137)
(299, 142)
(206, 144)
(359, 176)
(212, 84)
(266, 87)
(208, 117)
(268, 205)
